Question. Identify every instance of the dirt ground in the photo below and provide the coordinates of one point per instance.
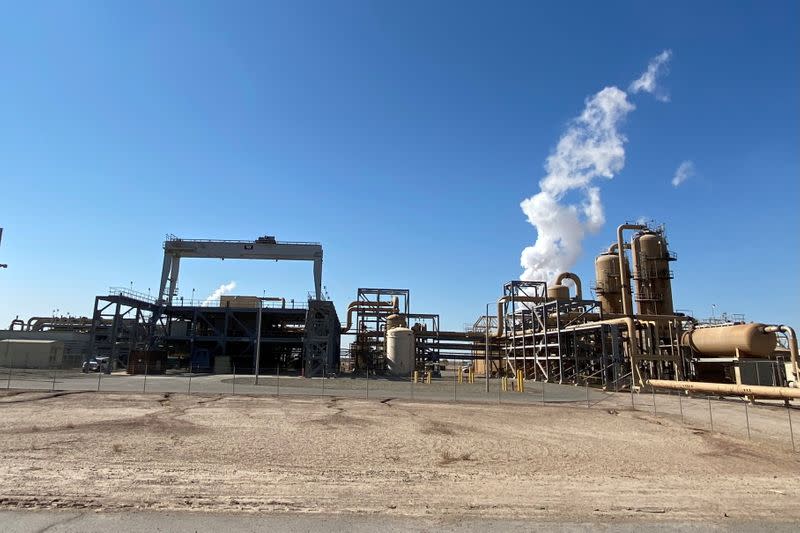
(112, 452)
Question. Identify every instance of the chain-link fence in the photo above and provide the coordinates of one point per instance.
(765, 421)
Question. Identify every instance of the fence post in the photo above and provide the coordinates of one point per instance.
(190, 379)
(747, 418)
(791, 430)
(8, 383)
(144, 387)
(413, 379)
(543, 384)
(99, 377)
(633, 401)
(680, 404)
(655, 412)
(455, 384)
(499, 386)
(324, 368)
(278, 379)
(588, 405)
(710, 414)
(367, 385)
(233, 385)
(53, 385)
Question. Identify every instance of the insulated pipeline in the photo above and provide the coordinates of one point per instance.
(760, 391)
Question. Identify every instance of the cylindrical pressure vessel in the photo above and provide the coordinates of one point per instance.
(653, 278)
(395, 321)
(558, 292)
(608, 283)
(400, 351)
(723, 341)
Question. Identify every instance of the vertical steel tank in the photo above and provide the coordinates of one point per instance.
(652, 275)
(608, 284)
(400, 351)
(395, 321)
(558, 292)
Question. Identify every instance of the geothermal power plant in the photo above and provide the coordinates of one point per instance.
(627, 336)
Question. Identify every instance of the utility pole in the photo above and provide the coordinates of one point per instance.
(486, 351)
(2, 265)
(258, 337)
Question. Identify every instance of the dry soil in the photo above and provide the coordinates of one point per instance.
(327, 455)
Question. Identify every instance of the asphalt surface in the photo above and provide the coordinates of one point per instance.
(769, 420)
(442, 389)
(149, 522)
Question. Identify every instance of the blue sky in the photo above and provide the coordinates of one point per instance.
(401, 135)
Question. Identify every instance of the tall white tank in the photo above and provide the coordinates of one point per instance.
(400, 351)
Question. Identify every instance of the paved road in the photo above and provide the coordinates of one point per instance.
(768, 421)
(152, 521)
(447, 389)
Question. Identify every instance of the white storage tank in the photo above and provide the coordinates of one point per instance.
(400, 351)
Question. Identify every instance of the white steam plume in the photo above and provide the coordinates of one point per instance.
(592, 147)
(647, 81)
(225, 288)
(684, 172)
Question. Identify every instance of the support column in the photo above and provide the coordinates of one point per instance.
(173, 278)
(318, 278)
(165, 269)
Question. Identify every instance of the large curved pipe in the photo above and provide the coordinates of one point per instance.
(44, 322)
(361, 306)
(33, 319)
(613, 247)
(627, 304)
(501, 312)
(17, 322)
(792, 347)
(761, 391)
(575, 279)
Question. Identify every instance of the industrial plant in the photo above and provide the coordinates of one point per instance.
(627, 337)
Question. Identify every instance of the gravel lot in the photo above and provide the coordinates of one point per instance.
(395, 458)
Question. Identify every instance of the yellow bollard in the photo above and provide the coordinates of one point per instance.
(416, 376)
(428, 377)
(460, 376)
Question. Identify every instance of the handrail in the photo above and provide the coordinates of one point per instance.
(177, 302)
(174, 238)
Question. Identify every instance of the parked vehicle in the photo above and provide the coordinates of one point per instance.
(97, 364)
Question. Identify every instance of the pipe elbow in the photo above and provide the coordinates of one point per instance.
(575, 279)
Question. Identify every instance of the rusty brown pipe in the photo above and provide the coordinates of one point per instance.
(627, 304)
(761, 391)
(635, 273)
(501, 313)
(613, 247)
(575, 279)
(792, 336)
(35, 319)
(360, 306)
